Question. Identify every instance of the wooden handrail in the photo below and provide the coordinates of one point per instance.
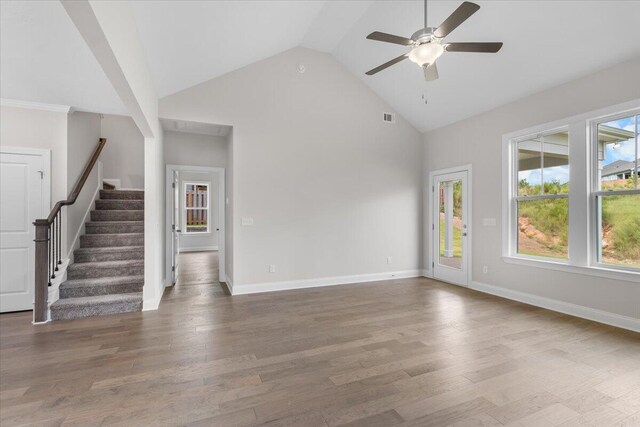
(49, 241)
(80, 183)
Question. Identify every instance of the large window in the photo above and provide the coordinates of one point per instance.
(541, 196)
(617, 190)
(572, 194)
(196, 207)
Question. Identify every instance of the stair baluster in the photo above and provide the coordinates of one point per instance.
(59, 239)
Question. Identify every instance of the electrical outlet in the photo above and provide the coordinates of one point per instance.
(485, 269)
(272, 268)
(388, 260)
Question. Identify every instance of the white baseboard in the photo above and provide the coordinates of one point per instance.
(325, 281)
(596, 315)
(229, 283)
(199, 249)
(153, 304)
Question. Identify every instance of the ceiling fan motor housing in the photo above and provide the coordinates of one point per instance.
(424, 35)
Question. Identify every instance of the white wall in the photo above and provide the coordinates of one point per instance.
(22, 127)
(83, 133)
(71, 138)
(190, 149)
(228, 214)
(478, 141)
(123, 156)
(332, 189)
(200, 241)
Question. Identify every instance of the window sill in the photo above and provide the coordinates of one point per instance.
(609, 273)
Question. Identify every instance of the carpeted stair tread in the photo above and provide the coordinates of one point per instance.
(110, 249)
(72, 308)
(89, 270)
(122, 194)
(110, 253)
(115, 204)
(113, 227)
(101, 286)
(106, 240)
(117, 215)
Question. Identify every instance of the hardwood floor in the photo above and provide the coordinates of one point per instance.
(409, 352)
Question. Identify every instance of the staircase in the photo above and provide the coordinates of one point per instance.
(108, 271)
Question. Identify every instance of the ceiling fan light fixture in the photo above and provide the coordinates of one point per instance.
(426, 53)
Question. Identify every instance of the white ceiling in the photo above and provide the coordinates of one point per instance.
(546, 43)
(188, 42)
(44, 59)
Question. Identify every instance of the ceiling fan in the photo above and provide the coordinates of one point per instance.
(427, 44)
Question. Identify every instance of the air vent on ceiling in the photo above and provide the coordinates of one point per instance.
(388, 117)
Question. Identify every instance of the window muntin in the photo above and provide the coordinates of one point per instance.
(617, 191)
(196, 207)
(541, 201)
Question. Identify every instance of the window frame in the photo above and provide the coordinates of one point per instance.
(514, 184)
(185, 229)
(582, 211)
(595, 245)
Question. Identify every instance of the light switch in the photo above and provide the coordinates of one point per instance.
(247, 221)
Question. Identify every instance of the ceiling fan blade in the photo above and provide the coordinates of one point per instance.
(386, 65)
(389, 38)
(461, 14)
(480, 47)
(430, 72)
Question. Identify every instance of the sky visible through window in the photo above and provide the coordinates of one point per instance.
(625, 151)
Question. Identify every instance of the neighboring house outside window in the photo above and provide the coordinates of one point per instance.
(196, 207)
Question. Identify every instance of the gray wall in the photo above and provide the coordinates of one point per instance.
(22, 127)
(228, 213)
(190, 149)
(71, 138)
(123, 156)
(83, 133)
(478, 141)
(333, 190)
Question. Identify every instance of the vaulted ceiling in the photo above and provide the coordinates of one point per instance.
(188, 42)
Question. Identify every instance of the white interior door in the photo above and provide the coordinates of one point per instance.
(21, 202)
(450, 228)
(175, 234)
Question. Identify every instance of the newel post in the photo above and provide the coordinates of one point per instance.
(42, 272)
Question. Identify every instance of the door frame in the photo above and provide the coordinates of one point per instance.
(221, 218)
(45, 154)
(430, 230)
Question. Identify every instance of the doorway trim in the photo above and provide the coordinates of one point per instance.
(431, 224)
(168, 214)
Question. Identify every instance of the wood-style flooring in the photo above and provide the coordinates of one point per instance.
(402, 352)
